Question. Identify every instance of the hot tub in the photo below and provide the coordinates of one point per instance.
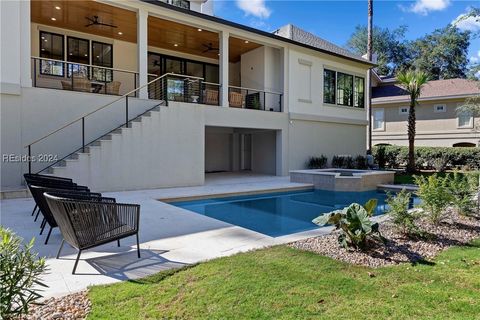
(343, 179)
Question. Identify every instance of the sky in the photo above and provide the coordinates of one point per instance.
(335, 20)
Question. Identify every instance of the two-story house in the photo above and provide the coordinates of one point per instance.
(123, 95)
(439, 120)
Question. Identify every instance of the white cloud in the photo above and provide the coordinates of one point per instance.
(474, 59)
(255, 8)
(464, 23)
(423, 7)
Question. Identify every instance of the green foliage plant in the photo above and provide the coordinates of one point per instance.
(435, 197)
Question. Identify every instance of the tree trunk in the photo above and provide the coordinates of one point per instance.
(411, 137)
(369, 57)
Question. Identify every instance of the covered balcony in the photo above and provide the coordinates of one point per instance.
(91, 47)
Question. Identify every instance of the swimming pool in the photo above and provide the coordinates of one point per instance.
(279, 214)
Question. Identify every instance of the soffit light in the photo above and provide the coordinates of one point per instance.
(57, 7)
(246, 41)
(53, 19)
(120, 33)
(175, 45)
(199, 29)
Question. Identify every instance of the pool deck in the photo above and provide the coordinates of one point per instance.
(170, 237)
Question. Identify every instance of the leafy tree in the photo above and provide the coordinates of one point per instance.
(389, 45)
(412, 82)
(442, 54)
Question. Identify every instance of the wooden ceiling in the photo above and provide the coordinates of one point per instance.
(171, 35)
(162, 33)
(72, 15)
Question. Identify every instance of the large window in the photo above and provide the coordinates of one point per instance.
(78, 51)
(359, 93)
(102, 55)
(329, 80)
(344, 89)
(51, 47)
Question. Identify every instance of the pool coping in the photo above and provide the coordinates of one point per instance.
(306, 187)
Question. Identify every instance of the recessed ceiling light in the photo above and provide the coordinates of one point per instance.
(71, 54)
(86, 55)
(218, 54)
(199, 29)
(57, 7)
(246, 41)
(98, 56)
(43, 49)
(175, 45)
(120, 33)
(53, 19)
(43, 38)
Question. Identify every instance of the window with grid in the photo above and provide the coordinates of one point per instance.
(102, 56)
(329, 81)
(344, 89)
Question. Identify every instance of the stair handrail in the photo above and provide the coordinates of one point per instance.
(110, 103)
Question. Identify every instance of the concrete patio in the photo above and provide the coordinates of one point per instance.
(170, 237)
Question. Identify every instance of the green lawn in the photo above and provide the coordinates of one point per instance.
(284, 283)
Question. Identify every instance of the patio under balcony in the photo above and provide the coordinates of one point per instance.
(92, 47)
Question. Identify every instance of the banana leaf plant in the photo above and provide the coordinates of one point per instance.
(354, 224)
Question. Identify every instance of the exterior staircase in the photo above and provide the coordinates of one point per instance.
(85, 164)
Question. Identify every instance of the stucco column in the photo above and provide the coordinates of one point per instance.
(285, 70)
(224, 68)
(142, 47)
(25, 44)
(10, 48)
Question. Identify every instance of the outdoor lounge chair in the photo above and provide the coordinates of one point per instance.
(32, 178)
(37, 194)
(235, 99)
(86, 224)
(211, 97)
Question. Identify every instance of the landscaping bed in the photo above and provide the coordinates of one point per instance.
(456, 230)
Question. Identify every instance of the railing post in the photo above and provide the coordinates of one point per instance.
(126, 111)
(280, 102)
(135, 84)
(83, 134)
(264, 101)
(71, 73)
(35, 72)
(29, 158)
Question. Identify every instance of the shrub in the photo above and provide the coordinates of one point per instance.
(435, 197)
(20, 271)
(354, 223)
(317, 162)
(338, 161)
(398, 205)
(380, 156)
(432, 157)
(360, 162)
(462, 188)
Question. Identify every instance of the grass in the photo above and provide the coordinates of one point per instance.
(285, 283)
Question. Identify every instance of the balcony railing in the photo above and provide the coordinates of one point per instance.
(248, 98)
(65, 75)
(183, 88)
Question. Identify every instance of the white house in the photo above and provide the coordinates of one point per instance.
(181, 94)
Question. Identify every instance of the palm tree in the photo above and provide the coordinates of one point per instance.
(369, 57)
(412, 82)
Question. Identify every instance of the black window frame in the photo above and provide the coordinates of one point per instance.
(163, 58)
(344, 75)
(40, 51)
(334, 86)
(71, 63)
(102, 66)
(356, 97)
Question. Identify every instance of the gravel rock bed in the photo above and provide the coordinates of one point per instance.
(73, 306)
(456, 230)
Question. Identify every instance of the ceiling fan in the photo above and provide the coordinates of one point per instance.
(209, 47)
(94, 21)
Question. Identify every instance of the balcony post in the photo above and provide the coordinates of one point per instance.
(25, 44)
(142, 48)
(224, 35)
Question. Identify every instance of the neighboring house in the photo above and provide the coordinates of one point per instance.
(438, 121)
(225, 97)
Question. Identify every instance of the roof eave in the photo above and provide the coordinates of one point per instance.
(406, 99)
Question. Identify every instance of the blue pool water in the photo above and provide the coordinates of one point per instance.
(278, 214)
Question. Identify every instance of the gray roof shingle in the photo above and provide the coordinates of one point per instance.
(294, 33)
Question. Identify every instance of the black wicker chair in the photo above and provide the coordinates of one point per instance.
(37, 194)
(41, 179)
(86, 224)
